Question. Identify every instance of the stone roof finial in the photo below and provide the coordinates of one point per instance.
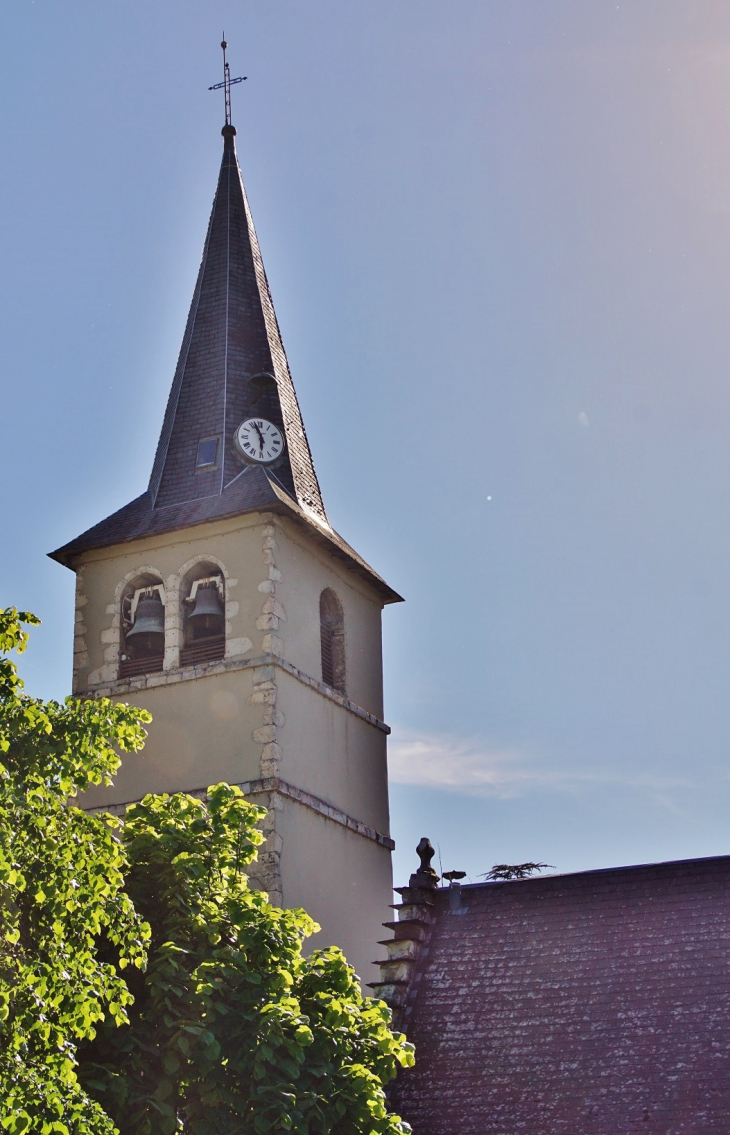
(425, 876)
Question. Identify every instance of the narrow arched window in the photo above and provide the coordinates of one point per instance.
(332, 633)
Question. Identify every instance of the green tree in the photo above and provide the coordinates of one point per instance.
(227, 1028)
(61, 891)
(232, 1029)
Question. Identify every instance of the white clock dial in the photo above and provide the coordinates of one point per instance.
(258, 440)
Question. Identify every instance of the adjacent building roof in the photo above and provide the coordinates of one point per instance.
(589, 1004)
(232, 366)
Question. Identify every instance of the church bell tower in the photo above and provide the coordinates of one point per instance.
(222, 601)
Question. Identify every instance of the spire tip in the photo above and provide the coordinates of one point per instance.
(226, 85)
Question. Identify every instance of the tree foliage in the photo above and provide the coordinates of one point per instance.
(221, 1024)
(232, 1029)
(61, 889)
(501, 872)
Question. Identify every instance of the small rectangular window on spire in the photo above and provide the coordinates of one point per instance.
(207, 454)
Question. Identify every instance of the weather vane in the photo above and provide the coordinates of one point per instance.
(228, 82)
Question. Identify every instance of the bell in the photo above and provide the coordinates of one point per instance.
(149, 618)
(207, 616)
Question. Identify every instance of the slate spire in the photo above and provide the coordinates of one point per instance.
(232, 364)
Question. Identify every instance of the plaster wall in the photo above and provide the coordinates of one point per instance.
(274, 577)
(306, 570)
(347, 889)
(201, 733)
(334, 754)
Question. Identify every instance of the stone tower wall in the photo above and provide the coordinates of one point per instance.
(261, 716)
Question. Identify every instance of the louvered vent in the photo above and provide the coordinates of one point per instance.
(132, 667)
(327, 667)
(207, 650)
(332, 637)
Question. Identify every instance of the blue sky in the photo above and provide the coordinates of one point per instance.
(498, 238)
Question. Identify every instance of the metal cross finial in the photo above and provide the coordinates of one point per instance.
(228, 82)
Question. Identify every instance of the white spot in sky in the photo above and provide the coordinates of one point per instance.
(583, 418)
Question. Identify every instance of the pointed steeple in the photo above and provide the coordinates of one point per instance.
(232, 364)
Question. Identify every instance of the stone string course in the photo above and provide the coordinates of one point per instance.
(188, 673)
(276, 787)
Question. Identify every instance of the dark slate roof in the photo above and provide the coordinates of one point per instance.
(231, 343)
(231, 337)
(254, 490)
(588, 1004)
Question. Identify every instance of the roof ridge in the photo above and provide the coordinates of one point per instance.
(590, 871)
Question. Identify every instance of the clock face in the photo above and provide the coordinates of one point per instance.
(258, 440)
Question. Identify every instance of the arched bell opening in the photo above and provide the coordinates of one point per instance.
(204, 615)
(332, 638)
(143, 627)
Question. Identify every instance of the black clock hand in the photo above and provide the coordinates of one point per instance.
(261, 439)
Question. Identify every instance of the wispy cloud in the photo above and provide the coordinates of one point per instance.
(439, 761)
(470, 767)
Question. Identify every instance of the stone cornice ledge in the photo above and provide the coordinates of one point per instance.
(187, 673)
(273, 785)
